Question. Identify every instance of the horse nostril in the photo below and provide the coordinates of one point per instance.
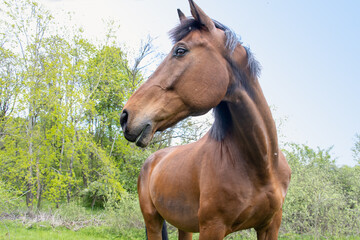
(124, 119)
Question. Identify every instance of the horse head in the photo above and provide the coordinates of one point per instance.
(193, 78)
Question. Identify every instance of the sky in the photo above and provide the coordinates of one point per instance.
(309, 52)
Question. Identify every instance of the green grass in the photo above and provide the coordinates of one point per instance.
(308, 237)
(16, 230)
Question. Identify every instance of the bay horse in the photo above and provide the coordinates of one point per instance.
(233, 178)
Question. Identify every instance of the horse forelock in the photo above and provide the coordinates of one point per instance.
(183, 29)
(190, 24)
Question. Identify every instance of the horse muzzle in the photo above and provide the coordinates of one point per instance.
(139, 132)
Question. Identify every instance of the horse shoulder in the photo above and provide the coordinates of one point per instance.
(166, 161)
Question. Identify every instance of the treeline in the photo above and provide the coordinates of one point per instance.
(61, 96)
(60, 136)
(59, 109)
(323, 199)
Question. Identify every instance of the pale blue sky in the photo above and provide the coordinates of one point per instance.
(309, 51)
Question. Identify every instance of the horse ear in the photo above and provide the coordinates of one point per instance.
(200, 16)
(182, 16)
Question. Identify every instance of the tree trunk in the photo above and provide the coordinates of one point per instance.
(94, 200)
(71, 168)
(38, 183)
(29, 194)
(70, 176)
(83, 174)
(60, 166)
(39, 198)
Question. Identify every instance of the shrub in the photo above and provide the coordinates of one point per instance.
(318, 201)
(98, 193)
(10, 200)
(125, 213)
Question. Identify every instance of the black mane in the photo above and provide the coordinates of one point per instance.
(190, 24)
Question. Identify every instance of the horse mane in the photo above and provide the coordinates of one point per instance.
(221, 112)
(190, 24)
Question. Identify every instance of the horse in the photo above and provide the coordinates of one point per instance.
(235, 177)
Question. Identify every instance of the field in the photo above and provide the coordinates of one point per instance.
(73, 221)
(17, 230)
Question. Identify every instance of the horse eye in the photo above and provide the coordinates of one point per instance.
(180, 51)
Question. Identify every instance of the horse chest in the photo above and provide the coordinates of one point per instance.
(242, 199)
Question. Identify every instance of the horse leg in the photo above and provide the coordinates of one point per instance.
(184, 235)
(271, 231)
(155, 225)
(164, 234)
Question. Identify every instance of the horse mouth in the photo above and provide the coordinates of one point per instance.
(144, 137)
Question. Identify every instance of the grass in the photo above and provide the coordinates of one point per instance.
(17, 230)
(123, 221)
(73, 221)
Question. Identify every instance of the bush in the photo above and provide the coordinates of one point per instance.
(72, 212)
(125, 213)
(317, 202)
(10, 201)
(98, 193)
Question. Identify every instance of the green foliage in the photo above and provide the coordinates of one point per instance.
(104, 191)
(58, 131)
(72, 212)
(9, 200)
(124, 214)
(319, 201)
(129, 160)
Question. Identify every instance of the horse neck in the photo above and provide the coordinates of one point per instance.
(254, 127)
(247, 118)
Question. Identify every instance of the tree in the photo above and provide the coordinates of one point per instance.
(29, 23)
(10, 83)
(50, 146)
